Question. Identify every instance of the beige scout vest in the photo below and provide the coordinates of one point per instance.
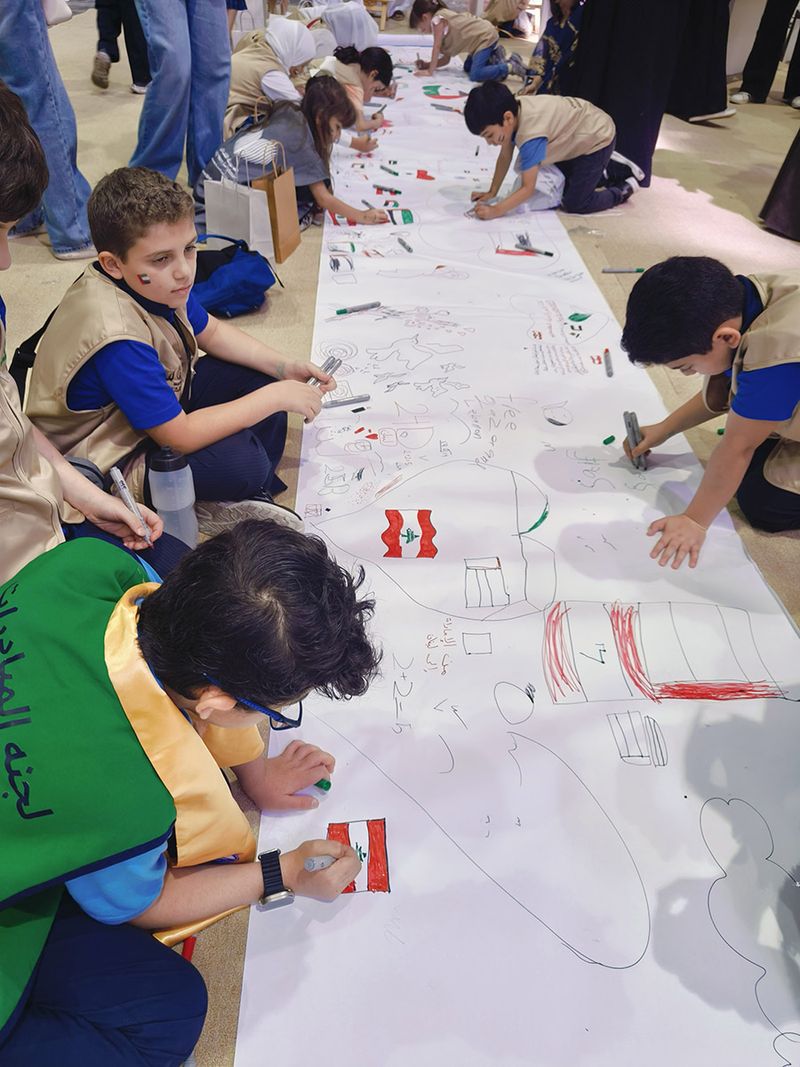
(31, 504)
(465, 33)
(252, 58)
(773, 339)
(502, 11)
(93, 313)
(573, 127)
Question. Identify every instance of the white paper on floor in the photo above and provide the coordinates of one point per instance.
(587, 764)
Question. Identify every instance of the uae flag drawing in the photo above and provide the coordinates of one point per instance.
(368, 838)
(409, 534)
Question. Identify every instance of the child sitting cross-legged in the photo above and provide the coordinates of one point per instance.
(119, 371)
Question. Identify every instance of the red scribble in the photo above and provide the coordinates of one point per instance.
(372, 437)
(359, 430)
(559, 669)
(339, 831)
(427, 548)
(378, 863)
(512, 252)
(424, 176)
(623, 626)
(391, 535)
(717, 691)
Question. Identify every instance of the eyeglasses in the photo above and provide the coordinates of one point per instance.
(278, 720)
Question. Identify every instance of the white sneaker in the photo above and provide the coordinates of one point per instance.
(795, 103)
(635, 169)
(100, 69)
(741, 98)
(728, 113)
(140, 90)
(89, 252)
(214, 517)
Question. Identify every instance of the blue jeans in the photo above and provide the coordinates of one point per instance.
(109, 995)
(28, 67)
(481, 68)
(190, 62)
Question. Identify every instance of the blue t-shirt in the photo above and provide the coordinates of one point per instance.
(119, 893)
(772, 393)
(532, 152)
(130, 375)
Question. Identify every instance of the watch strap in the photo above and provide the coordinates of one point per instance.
(271, 872)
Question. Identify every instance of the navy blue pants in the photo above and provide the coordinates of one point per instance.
(239, 466)
(106, 996)
(164, 556)
(763, 504)
(583, 174)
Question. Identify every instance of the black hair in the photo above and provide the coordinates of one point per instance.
(377, 59)
(267, 613)
(487, 104)
(22, 160)
(423, 7)
(676, 307)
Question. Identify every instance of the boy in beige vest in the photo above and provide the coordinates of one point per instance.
(573, 134)
(42, 498)
(456, 33)
(742, 334)
(118, 371)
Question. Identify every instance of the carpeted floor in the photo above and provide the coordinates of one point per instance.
(710, 182)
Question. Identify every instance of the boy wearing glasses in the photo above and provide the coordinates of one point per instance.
(118, 711)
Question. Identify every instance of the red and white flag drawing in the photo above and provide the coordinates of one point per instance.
(368, 838)
(409, 534)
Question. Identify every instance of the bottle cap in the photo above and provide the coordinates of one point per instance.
(167, 459)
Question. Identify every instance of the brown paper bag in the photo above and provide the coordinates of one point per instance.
(282, 201)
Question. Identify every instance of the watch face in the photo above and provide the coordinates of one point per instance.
(276, 900)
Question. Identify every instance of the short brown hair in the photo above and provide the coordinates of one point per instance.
(22, 162)
(128, 201)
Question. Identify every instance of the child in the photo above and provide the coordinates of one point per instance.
(554, 55)
(742, 334)
(363, 74)
(131, 696)
(455, 32)
(263, 65)
(43, 498)
(307, 133)
(117, 372)
(504, 13)
(574, 134)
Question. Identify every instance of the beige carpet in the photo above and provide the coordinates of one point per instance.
(710, 182)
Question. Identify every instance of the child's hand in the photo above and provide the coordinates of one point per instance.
(319, 885)
(680, 537)
(373, 217)
(421, 64)
(300, 397)
(364, 144)
(376, 122)
(298, 766)
(532, 86)
(487, 211)
(477, 195)
(301, 371)
(652, 437)
(422, 73)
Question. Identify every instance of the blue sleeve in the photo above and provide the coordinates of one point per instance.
(121, 892)
(771, 393)
(130, 375)
(196, 314)
(532, 152)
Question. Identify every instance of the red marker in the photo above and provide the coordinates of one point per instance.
(188, 948)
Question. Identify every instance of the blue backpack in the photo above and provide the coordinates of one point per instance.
(233, 280)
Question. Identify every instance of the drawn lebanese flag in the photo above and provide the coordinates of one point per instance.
(368, 838)
(409, 534)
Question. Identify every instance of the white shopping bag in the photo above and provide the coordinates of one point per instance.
(239, 212)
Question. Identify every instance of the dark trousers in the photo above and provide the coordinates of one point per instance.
(764, 505)
(109, 995)
(114, 17)
(242, 465)
(762, 63)
(164, 556)
(583, 174)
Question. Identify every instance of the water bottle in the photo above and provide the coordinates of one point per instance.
(172, 490)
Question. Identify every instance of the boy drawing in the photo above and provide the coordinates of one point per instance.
(117, 821)
(573, 134)
(118, 371)
(742, 335)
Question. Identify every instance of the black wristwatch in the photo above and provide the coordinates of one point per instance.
(276, 895)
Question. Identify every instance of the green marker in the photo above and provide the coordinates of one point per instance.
(323, 783)
(389, 170)
(609, 440)
(721, 431)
